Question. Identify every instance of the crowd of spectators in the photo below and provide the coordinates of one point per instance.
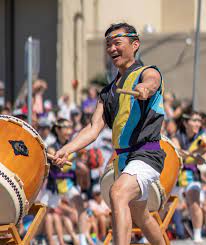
(186, 130)
(76, 212)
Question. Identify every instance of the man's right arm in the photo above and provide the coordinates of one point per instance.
(85, 137)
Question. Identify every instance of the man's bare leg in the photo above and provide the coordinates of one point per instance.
(124, 190)
(148, 225)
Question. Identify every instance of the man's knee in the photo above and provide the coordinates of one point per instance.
(115, 193)
(119, 194)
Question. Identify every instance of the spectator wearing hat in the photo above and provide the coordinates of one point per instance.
(44, 129)
(76, 118)
(58, 178)
(188, 141)
(60, 183)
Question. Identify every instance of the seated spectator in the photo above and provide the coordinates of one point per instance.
(82, 171)
(87, 226)
(60, 183)
(76, 118)
(67, 219)
(186, 141)
(100, 210)
(44, 129)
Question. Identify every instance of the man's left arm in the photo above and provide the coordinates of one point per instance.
(151, 81)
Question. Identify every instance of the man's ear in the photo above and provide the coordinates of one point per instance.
(135, 45)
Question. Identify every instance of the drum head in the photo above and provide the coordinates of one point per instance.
(156, 196)
(9, 207)
(105, 184)
(23, 153)
(12, 204)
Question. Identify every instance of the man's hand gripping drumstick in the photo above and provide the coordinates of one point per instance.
(143, 94)
(129, 92)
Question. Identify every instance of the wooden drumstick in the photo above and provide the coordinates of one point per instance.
(51, 157)
(129, 92)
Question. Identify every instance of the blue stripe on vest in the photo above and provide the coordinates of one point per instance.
(132, 121)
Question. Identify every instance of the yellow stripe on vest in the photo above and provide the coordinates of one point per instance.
(124, 107)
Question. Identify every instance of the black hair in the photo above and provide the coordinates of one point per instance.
(58, 124)
(185, 118)
(128, 29)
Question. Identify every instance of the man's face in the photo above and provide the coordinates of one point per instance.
(121, 50)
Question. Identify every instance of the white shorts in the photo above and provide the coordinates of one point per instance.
(145, 176)
(52, 200)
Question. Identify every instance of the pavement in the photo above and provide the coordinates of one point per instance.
(175, 242)
(186, 242)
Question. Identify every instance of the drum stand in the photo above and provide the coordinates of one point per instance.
(10, 232)
(162, 217)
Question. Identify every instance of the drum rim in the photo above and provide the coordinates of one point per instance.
(156, 185)
(165, 138)
(28, 127)
(109, 172)
(34, 133)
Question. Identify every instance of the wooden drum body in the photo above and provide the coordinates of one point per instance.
(23, 168)
(160, 190)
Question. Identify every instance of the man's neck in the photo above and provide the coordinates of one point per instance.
(122, 70)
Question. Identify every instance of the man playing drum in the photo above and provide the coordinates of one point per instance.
(136, 122)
